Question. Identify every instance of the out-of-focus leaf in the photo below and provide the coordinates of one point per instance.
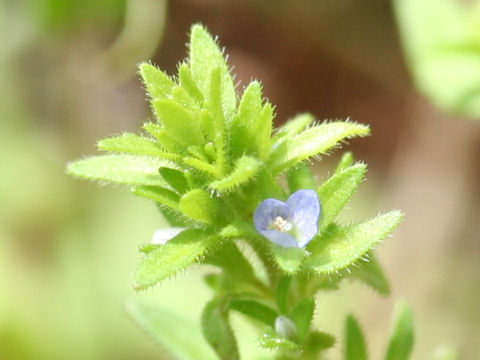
(121, 169)
(440, 40)
(168, 259)
(216, 329)
(338, 190)
(289, 259)
(300, 177)
(340, 247)
(255, 310)
(170, 331)
(371, 273)
(355, 347)
(316, 140)
(281, 294)
(302, 315)
(318, 341)
(402, 337)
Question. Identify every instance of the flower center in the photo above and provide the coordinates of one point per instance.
(281, 224)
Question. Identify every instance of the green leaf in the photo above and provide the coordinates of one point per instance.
(355, 347)
(255, 310)
(244, 170)
(233, 262)
(281, 295)
(217, 330)
(199, 205)
(169, 330)
(300, 177)
(317, 140)
(202, 166)
(402, 337)
(242, 128)
(176, 179)
(339, 247)
(239, 230)
(346, 161)
(166, 260)
(205, 56)
(289, 259)
(319, 341)
(263, 131)
(371, 273)
(186, 81)
(335, 193)
(158, 84)
(129, 143)
(121, 169)
(294, 126)
(302, 315)
(178, 122)
(161, 195)
(270, 340)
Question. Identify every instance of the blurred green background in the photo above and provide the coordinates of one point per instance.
(67, 248)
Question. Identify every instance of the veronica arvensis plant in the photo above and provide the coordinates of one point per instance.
(212, 161)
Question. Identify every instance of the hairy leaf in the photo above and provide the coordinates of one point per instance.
(216, 329)
(272, 341)
(205, 56)
(294, 126)
(245, 169)
(346, 161)
(255, 310)
(355, 347)
(340, 247)
(166, 260)
(178, 122)
(242, 126)
(316, 140)
(168, 329)
(162, 196)
(129, 143)
(158, 84)
(175, 178)
(121, 169)
(199, 205)
(402, 337)
(338, 190)
(186, 81)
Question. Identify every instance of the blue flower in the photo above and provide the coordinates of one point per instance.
(290, 224)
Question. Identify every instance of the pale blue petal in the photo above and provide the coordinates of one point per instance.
(280, 238)
(267, 211)
(305, 209)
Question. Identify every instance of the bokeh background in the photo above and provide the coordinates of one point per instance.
(68, 77)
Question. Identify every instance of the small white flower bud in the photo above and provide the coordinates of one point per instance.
(285, 327)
